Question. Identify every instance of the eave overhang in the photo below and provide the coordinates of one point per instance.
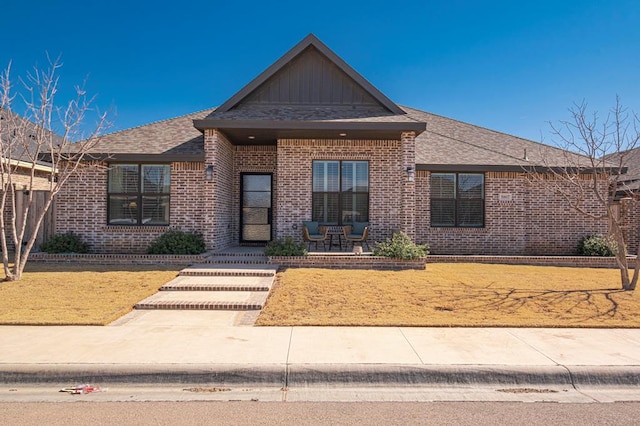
(144, 158)
(517, 168)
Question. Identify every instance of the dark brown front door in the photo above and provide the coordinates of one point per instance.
(255, 207)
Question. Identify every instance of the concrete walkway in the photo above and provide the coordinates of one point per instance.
(230, 289)
(326, 356)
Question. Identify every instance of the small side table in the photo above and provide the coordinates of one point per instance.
(335, 230)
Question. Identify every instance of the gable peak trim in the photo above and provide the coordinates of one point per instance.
(309, 41)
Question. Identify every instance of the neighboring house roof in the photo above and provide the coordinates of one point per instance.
(630, 160)
(25, 152)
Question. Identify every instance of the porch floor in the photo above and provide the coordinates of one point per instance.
(259, 251)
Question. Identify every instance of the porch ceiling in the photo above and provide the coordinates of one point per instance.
(251, 132)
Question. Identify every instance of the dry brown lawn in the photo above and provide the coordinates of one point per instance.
(453, 295)
(75, 294)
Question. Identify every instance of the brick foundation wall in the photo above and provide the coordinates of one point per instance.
(535, 221)
(294, 187)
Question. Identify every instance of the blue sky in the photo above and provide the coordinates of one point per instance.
(511, 66)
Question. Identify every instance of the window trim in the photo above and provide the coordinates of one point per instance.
(139, 195)
(340, 192)
(457, 200)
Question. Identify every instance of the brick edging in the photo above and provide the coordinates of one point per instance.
(347, 261)
(569, 261)
(117, 259)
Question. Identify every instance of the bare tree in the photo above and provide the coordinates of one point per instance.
(589, 181)
(38, 144)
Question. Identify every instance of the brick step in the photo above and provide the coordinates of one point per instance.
(201, 306)
(219, 283)
(244, 260)
(222, 270)
(214, 287)
(258, 253)
(200, 300)
(223, 273)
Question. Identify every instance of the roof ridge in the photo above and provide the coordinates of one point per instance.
(159, 121)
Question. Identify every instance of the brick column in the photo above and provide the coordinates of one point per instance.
(217, 193)
(408, 212)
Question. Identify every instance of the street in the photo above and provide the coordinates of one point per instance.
(314, 413)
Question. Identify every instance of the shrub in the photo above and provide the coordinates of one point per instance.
(64, 243)
(401, 247)
(178, 242)
(286, 247)
(597, 245)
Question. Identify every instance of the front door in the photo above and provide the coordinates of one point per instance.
(255, 207)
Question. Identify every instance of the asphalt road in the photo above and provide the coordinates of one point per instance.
(317, 413)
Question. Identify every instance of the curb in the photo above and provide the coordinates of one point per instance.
(330, 375)
(248, 374)
(432, 375)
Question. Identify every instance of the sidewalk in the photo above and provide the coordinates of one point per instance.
(326, 356)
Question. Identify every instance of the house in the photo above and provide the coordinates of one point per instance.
(628, 194)
(310, 138)
(22, 173)
(19, 152)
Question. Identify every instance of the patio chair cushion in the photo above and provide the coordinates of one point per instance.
(312, 227)
(316, 236)
(354, 236)
(358, 228)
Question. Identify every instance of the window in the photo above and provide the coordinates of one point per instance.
(138, 194)
(340, 192)
(457, 200)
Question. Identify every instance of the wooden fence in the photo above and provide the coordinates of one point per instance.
(47, 228)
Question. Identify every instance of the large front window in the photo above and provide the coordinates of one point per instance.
(340, 192)
(457, 200)
(138, 194)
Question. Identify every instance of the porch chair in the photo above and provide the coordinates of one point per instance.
(357, 233)
(314, 233)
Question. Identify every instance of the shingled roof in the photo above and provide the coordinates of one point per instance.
(447, 144)
(173, 139)
(453, 145)
(310, 92)
(26, 150)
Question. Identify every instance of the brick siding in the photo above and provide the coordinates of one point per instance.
(535, 221)
(218, 193)
(294, 187)
(630, 221)
(81, 207)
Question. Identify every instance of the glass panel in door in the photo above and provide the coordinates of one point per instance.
(255, 221)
